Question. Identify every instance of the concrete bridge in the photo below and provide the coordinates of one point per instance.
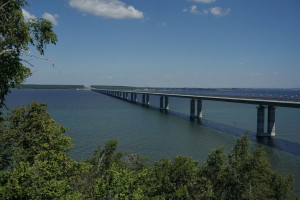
(196, 105)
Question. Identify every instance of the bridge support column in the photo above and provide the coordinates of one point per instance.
(126, 95)
(260, 121)
(131, 96)
(199, 108)
(192, 108)
(147, 100)
(271, 121)
(161, 107)
(135, 98)
(143, 99)
(166, 103)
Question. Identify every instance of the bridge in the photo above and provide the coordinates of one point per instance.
(196, 105)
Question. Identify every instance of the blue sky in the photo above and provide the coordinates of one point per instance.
(171, 43)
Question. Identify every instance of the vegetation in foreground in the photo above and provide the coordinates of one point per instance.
(34, 164)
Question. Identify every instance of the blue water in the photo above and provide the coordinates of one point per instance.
(93, 118)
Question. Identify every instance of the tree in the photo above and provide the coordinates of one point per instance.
(35, 160)
(30, 131)
(248, 174)
(16, 37)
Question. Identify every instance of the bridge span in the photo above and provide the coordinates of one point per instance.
(196, 105)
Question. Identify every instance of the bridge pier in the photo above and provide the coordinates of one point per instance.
(199, 108)
(135, 98)
(147, 100)
(143, 99)
(131, 96)
(161, 107)
(260, 121)
(192, 108)
(166, 103)
(271, 121)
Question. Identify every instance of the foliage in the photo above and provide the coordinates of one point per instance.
(29, 132)
(247, 175)
(34, 158)
(16, 36)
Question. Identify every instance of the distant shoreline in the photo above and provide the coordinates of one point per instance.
(59, 87)
(82, 87)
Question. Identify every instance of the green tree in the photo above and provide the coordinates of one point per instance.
(30, 131)
(215, 172)
(248, 175)
(251, 176)
(16, 37)
(36, 163)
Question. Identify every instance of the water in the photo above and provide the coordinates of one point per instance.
(93, 119)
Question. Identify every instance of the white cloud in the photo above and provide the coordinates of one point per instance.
(203, 1)
(107, 8)
(27, 15)
(218, 11)
(51, 18)
(194, 9)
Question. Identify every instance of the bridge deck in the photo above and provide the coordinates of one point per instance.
(245, 100)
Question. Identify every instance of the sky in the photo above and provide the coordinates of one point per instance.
(170, 43)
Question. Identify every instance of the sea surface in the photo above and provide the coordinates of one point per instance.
(92, 119)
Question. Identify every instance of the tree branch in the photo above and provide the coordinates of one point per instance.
(6, 51)
(39, 57)
(100, 160)
(1, 7)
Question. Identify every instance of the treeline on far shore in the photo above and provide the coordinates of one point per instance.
(113, 87)
(36, 86)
